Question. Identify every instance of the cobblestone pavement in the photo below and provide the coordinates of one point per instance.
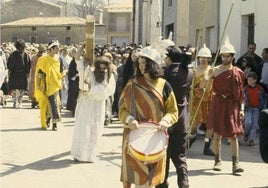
(32, 158)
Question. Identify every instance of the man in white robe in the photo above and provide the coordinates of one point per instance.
(90, 110)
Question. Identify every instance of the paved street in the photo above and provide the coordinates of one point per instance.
(32, 158)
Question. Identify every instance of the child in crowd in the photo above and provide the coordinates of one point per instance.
(254, 103)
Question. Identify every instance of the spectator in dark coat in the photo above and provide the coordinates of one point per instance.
(73, 90)
(18, 64)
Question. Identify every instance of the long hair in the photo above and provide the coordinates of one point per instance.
(129, 68)
(251, 63)
(20, 44)
(152, 68)
(100, 74)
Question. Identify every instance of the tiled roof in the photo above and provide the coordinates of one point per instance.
(41, 1)
(47, 21)
(126, 5)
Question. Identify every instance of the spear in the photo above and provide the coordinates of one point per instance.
(201, 23)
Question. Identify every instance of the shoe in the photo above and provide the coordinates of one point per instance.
(19, 105)
(33, 104)
(207, 151)
(228, 141)
(203, 127)
(54, 127)
(245, 138)
(107, 121)
(217, 165)
(163, 185)
(236, 166)
(43, 128)
(184, 186)
(251, 143)
(191, 140)
(48, 122)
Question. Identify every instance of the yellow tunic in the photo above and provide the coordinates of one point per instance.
(196, 95)
(48, 82)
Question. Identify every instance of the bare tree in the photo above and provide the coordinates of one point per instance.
(88, 7)
(6, 9)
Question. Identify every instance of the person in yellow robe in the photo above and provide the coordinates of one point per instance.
(146, 97)
(47, 86)
(199, 114)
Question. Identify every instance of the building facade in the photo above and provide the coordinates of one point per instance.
(203, 24)
(117, 19)
(248, 23)
(195, 22)
(176, 20)
(67, 30)
(20, 9)
(146, 21)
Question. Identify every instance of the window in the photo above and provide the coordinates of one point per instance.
(251, 28)
(210, 38)
(169, 28)
(67, 40)
(68, 28)
(33, 28)
(169, 3)
(14, 39)
(121, 24)
(33, 39)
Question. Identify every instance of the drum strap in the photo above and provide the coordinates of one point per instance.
(146, 86)
(133, 105)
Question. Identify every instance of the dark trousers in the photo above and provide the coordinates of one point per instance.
(176, 151)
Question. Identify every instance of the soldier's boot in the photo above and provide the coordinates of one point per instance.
(217, 165)
(236, 167)
(207, 150)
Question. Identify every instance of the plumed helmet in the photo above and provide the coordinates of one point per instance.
(204, 52)
(151, 53)
(227, 47)
(52, 44)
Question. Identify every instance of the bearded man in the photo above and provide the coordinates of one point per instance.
(227, 109)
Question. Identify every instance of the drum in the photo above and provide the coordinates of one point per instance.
(147, 144)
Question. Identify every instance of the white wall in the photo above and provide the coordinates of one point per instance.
(233, 29)
(261, 25)
(238, 23)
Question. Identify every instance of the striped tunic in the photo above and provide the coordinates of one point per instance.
(145, 101)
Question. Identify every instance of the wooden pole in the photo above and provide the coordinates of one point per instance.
(201, 25)
(90, 34)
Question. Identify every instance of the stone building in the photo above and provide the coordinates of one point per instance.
(146, 21)
(117, 19)
(67, 30)
(20, 9)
